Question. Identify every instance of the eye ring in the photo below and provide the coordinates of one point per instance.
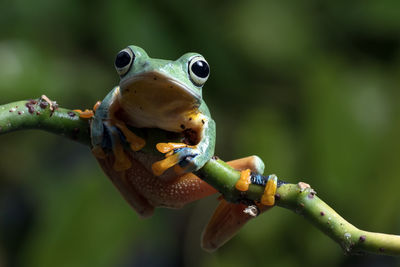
(123, 61)
(199, 70)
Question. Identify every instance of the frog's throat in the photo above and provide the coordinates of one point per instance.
(157, 83)
(154, 100)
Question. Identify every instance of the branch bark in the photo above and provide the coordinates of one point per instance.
(39, 114)
(300, 198)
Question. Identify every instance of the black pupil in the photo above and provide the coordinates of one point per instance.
(123, 59)
(201, 69)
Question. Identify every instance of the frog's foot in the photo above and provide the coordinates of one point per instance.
(87, 114)
(268, 198)
(175, 153)
(136, 143)
(244, 181)
(228, 218)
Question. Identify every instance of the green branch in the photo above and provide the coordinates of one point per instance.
(39, 114)
(300, 198)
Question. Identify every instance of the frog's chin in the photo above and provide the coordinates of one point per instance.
(153, 99)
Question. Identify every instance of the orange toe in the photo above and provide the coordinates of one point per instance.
(244, 181)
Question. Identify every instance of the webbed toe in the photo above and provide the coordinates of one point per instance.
(177, 154)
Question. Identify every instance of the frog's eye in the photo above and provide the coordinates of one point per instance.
(199, 70)
(123, 61)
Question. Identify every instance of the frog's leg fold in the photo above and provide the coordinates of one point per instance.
(228, 218)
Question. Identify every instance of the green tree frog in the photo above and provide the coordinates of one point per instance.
(166, 95)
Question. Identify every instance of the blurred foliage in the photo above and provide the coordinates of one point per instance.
(309, 86)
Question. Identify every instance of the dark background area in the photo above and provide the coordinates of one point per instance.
(309, 86)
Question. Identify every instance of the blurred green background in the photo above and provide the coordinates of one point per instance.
(309, 86)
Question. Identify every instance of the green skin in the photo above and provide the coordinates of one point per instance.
(156, 93)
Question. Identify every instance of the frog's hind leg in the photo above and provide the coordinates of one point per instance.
(226, 221)
(255, 164)
(228, 218)
(121, 181)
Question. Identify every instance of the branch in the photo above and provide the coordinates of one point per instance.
(40, 114)
(300, 198)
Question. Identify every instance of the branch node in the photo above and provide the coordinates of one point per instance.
(303, 186)
(252, 210)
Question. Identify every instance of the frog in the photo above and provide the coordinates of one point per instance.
(153, 96)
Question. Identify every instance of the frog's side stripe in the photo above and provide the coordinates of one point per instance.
(259, 179)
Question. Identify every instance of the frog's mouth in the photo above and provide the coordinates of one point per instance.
(155, 96)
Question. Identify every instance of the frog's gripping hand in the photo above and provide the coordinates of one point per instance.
(184, 157)
(88, 114)
(107, 132)
(175, 153)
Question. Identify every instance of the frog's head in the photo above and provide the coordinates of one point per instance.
(149, 84)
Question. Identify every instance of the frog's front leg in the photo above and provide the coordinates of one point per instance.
(135, 142)
(88, 114)
(114, 130)
(109, 133)
(185, 155)
(122, 161)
